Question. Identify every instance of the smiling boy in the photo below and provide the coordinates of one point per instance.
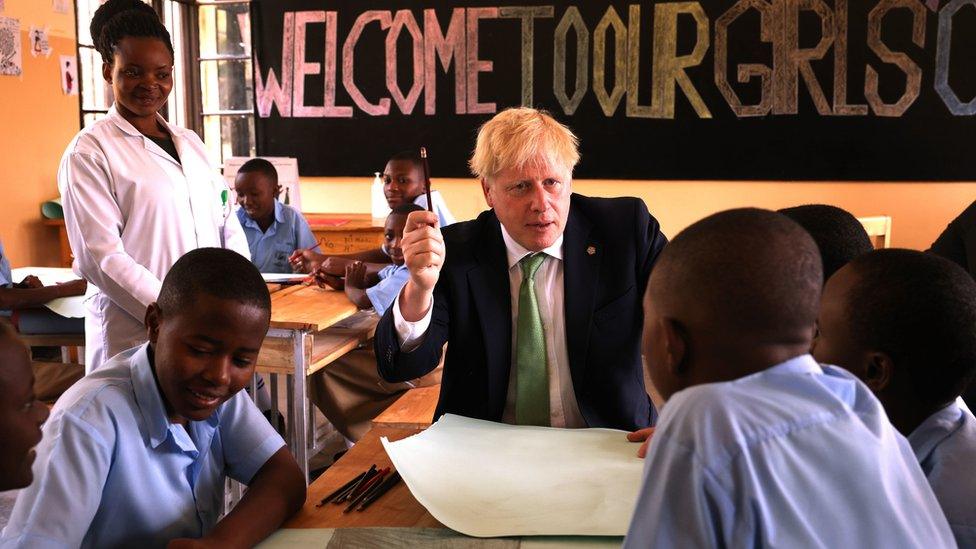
(21, 413)
(136, 454)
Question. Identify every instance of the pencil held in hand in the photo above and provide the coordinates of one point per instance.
(423, 158)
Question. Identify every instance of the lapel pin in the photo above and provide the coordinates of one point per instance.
(591, 250)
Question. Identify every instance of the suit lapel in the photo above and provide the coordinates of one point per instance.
(489, 285)
(581, 276)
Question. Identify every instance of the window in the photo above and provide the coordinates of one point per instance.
(213, 92)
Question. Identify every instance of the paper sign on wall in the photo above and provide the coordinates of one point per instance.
(69, 74)
(39, 41)
(60, 6)
(1, 5)
(11, 62)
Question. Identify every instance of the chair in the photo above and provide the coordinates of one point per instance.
(878, 228)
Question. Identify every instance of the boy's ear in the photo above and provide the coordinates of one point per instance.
(675, 346)
(107, 72)
(277, 190)
(153, 317)
(878, 371)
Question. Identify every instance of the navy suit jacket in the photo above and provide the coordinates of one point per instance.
(604, 316)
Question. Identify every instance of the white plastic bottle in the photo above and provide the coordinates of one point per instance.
(378, 203)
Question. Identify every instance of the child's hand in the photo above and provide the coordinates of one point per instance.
(356, 275)
(642, 435)
(31, 282)
(325, 280)
(335, 266)
(304, 260)
(73, 287)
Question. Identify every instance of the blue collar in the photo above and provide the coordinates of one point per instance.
(279, 217)
(936, 428)
(803, 364)
(149, 399)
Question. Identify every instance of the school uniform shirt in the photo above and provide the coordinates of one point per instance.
(794, 456)
(945, 446)
(131, 211)
(112, 471)
(392, 280)
(440, 207)
(270, 249)
(6, 278)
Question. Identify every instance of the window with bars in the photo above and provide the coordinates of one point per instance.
(213, 92)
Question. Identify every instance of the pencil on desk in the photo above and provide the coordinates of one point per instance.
(345, 495)
(341, 490)
(366, 489)
(383, 488)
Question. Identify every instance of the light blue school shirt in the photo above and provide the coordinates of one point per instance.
(794, 456)
(440, 207)
(270, 249)
(112, 471)
(392, 280)
(945, 446)
(6, 278)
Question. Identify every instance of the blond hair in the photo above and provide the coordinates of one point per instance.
(523, 137)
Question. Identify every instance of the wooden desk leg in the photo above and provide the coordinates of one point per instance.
(298, 403)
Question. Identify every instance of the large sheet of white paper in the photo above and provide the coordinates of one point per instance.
(490, 479)
(71, 307)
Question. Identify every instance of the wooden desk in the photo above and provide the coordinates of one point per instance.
(298, 345)
(413, 410)
(397, 507)
(346, 233)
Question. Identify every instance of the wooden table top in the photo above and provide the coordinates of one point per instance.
(344, 222)
(396, 508)
(414, 410)
(309, 308)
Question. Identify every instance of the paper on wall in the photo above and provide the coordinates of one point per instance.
(490, 479)
(69, 74)
(61, 6)
(40, 43)
(71, 307)
(11, 63)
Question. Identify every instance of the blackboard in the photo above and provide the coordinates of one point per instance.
(723, 89)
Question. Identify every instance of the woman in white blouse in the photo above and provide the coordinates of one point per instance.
(137, 192)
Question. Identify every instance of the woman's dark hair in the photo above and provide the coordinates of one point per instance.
(117, 19)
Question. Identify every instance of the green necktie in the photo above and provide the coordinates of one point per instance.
(532, 377)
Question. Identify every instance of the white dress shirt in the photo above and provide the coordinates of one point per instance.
(563, 408)
(131, 211)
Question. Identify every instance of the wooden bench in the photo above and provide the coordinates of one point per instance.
(413, 410)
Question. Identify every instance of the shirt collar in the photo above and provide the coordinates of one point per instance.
(936, 428)
(129, 129)
(148, 397)
(803, 364)
(515, 251)
(279, 217)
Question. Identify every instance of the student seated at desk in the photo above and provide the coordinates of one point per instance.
(30, 295)
(372, 285)
(403, 183)
(757, 444)
(902, 321)
(840, 237)
(21, 413)
(136, 453)
(274, 230)
(349, 392)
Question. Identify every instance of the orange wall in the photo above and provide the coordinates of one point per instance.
(36, 123)
(920, 211)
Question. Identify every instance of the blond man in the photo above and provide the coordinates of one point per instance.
(539, 297)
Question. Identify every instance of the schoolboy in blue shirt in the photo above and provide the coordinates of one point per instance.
(758, 445)
(371, 285)
(840, 237)
(903, 322)
(274, 230)
(136, 454)
(21, 413)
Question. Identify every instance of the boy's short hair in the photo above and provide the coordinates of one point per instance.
(215, 272)
(406, 208)
(411, 156)
(262, 166)
(838, 234)
(919, 309)
(523, 137)
(748, 269)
